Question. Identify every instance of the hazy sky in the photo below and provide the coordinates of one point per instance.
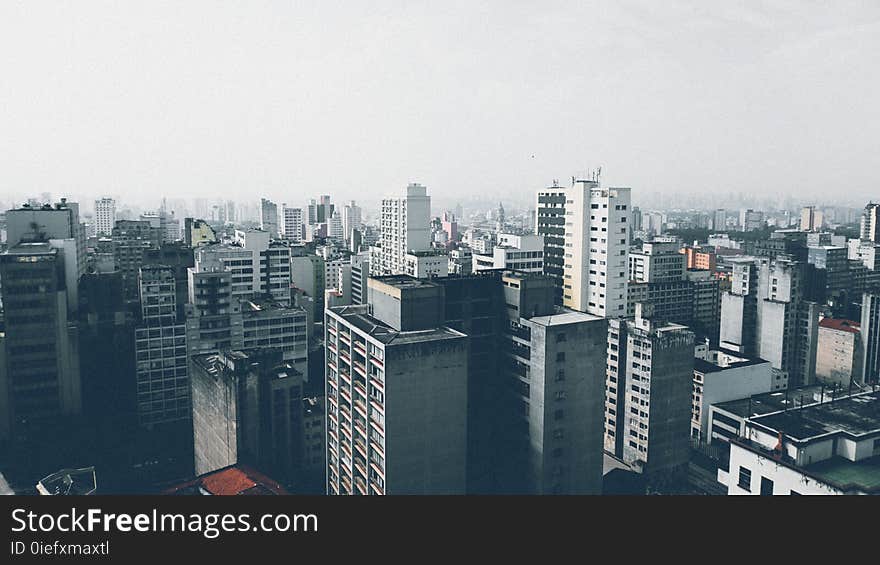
(291, 99)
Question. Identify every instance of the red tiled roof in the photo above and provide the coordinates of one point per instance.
(231, 481)
(840, 325)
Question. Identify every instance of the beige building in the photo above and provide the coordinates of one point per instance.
(839, 353)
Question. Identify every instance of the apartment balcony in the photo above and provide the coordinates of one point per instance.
(376, 406)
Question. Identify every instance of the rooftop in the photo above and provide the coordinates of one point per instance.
(704, 366)
(854, 415)
(563, 317)
(840, 325)
(386, 334)
(771, 401)
(404, 281)
(229, 481)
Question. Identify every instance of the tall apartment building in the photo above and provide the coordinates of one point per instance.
(269, 217)
(405, 224)
(811, 219)
(131, 240)
(719, 219)
(649, 393)
(870, 334)
(163, 385)
(351, 219)
(39, 356)
(360, 274)
(586, 248)
(335, 228)
(869, 227)
(553, 373)
(739, 308)
(105, 216)
(839, 352)
(396, 397)
(292, 224)
(787, 324)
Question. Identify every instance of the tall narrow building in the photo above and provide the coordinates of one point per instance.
(105, 216)
(269, 217)
(649, 389)
(586, 249)
(292, 224)
(405, 227)
(869, 228)
(39, 360)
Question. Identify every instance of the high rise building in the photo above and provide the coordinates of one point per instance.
(39, 372)
(396, 395)
(335, 228)
(553, 369)
(351, 219)
(869, 227)
(248, 409)
(131, 239)
(811, 219)
(360, 274)
(719, 220)
(870, 334)
(163, 385)
(586, 245)
(292, 224)
(269, 217)
(105, 216)
(649, 393)
(739, 308)
(405, 227)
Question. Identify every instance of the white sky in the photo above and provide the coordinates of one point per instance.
(355, 99)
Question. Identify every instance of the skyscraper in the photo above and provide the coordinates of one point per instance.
(46, 222)
(269, 217)
(105, 216)
(811, 219)
(351, 219)
(163, 386)
(292, 224)
(586, 245)
(869, 228)
(39, 375)
(405, 226)
(649, 384)
(396, 396)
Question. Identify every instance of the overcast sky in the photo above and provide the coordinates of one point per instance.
(291, 99)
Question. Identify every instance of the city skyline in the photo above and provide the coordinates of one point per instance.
(769, 99)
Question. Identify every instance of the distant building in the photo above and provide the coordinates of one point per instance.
(405, 227)
(197, 232)
(105, 216)
(269, 218)
(811, 219)
(426, 264)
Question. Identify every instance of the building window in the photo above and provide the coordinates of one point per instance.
(745, 479)
(560, 357)
(560, 337)
(558, 415)
(766, 487)
(560, 375)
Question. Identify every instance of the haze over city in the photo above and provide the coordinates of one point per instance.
(288, 100)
